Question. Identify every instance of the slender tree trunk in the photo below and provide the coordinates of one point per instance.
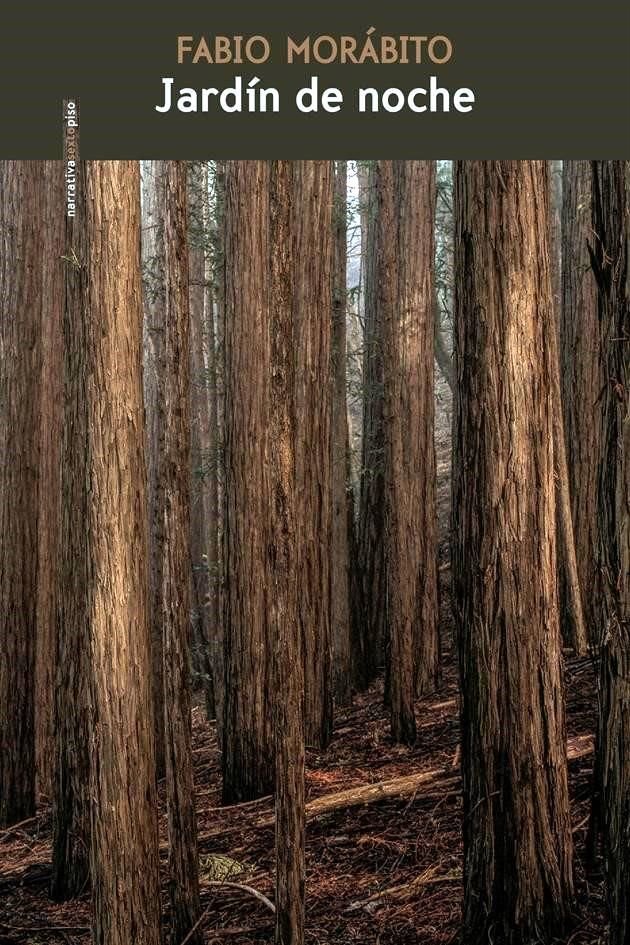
(313, 329)
(71, 793)
(248, 763)
(51, 396)
(154, 373)
(282, 565)
(609, 253)
(342, 521)
(176, 587)
(581, 378)
(372, 492)
(572, 622)
(215, 321)
(518, 886)
(203, 465)
(21, 194)
(124, 812)
(406, 204)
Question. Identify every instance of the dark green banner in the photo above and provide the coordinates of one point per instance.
(328, 79)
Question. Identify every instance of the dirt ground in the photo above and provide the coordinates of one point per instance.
(387, 873)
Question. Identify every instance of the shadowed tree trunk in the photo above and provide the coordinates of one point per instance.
(153, 192)
(313, 327)
(71, 794)
(109, 371)
(342, 517)
(406, 204)
(203, 440)
(248, 768)
(609, 253)
(518, 886)
(282, 559)
(371, 522)
(176, 597)
(49, 526)
(581, 378)
(21, 195)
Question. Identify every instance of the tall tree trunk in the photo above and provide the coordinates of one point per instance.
(21, 194)
(518, 885)
(313, 328)
(572, 622)
(342, 520)
(176, 587)
(215, 332)
(284, 615)
(581, 378)
(71, 793)
(153, 187)
(406, 205)
(109, 371)
(203, 461)
(51, 403)
(248, 764)
(609, 255)
(371, 522)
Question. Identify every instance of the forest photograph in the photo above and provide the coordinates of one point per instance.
(315, 552)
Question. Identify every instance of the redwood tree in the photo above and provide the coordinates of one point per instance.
(406, 204)
(248, 768)
(609, 253)
(124, 851)
(371, 522)
(49, 525)
(282, 563)
(518, 885)
(21, 195)
(342, 517)
(154, 294)
(175, 601)
(581, 377)
(71, 786)
(313, 196)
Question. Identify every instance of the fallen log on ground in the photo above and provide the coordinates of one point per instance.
(406, 786)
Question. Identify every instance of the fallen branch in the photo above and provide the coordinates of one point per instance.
(242, 886)
(578, 747)
(406, 890)
(368, 794)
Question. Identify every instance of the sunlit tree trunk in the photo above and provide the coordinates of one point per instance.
(518, 885)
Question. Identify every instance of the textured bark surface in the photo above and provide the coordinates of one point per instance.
(176, 586)
(313, 198)
(71, 794)
(21, 194)
(610, 264)
(371, 522)
(49, 527)
(248, 769)
(572, 624)
(581, 377)
(406, 206)
(154, 292)
(203, 504)
(342, 520)
(124, 812)
(215, 321)
(518, 885)
(285, 629)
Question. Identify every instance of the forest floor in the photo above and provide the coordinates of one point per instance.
(384, 873)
